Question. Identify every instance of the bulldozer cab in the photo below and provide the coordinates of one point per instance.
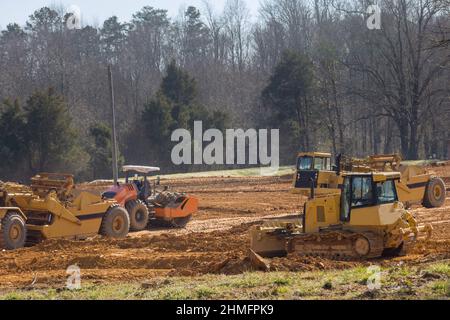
(314, 169)
(361, 191)
(364, 199)
(314, 161)
(360, 219)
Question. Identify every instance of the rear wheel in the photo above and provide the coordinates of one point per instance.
(434, 193)
(13, 232)
(116, 223)
(139, 215)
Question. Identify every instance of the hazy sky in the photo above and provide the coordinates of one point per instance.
(96, 11)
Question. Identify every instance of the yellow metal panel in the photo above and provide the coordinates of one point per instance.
(377, 177)
(382, 215)
(48, 204)
(406, 194)
(62, 228)
(4, 211)
(330, 205)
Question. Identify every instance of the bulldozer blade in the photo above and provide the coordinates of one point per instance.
(267, 243)
(258, 262)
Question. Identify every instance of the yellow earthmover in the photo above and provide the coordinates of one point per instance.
(50, 208)
(415, 185)
(363, 220)
(315, 168)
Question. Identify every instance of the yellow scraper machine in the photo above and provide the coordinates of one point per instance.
(50, 208)
(415, 185)
(364, 219)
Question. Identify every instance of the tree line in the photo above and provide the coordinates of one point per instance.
(309, 67)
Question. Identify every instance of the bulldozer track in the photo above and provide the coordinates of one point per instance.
(337, 245)
(376, 245)
(2, 241)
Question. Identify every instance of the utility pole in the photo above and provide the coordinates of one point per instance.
(114, 137)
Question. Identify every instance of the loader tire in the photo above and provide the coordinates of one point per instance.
(13, 232)
(116, 223)
(435, 193)
(139, 215)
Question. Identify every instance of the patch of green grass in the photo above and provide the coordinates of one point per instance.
(420, 162)
(249, 172)
(280, 291)
(173, 294)
(13, 296)
(205, 293)
(440, 268)
(237, 173)
(281, 282)
(247, 280)
(49, 294)
(441, 288)
(401, 271)
(357, 275)
(396, 283)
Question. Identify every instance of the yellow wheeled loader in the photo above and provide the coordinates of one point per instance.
(50, 208)
(416, 185)
(365, 220)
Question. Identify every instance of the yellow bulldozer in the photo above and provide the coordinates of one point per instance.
(50, 208)
(415, 185)
(364, 220)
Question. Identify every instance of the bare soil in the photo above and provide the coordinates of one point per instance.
(215, 242)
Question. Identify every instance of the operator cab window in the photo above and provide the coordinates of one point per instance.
(319, 164)
(326, 164)
(386, 192)
(322, 164)
(304, 163)
(362, 191)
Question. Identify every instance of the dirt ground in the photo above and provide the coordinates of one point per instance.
(216, 241)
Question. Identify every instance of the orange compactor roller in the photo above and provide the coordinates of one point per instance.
(144, 204)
